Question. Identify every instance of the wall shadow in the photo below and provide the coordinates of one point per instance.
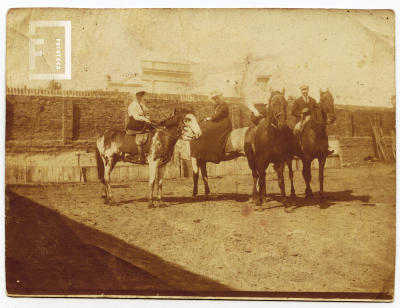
(50, 254)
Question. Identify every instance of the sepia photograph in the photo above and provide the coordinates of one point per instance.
(229, 153)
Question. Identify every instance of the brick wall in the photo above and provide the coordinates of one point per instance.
(33, 118)
(74, 119)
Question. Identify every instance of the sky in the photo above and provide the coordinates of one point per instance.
(351, 52)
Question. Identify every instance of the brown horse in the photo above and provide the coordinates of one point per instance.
(182, 124)
(273, 143)
(314, 140)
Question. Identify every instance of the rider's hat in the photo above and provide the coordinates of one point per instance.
(263, 78)
(304, 86)
(141, 93)
(214, 94)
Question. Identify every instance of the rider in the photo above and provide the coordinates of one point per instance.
(138, 121)
(215, 131)
(259, 112)
(302, 109)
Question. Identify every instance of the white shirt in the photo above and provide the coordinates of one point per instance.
(257, 97)
(135, 110)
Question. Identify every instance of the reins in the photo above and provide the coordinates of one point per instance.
(163, 131)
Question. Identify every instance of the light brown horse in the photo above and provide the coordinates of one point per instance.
(314, 140)
(182, 124)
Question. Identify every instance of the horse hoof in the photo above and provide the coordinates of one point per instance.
(161, 205)
(267, 199)
(293, 195)
(112, 202)
(106, 201)
(193, 197)
(309, 195)
(104, 196)
(151, 205)
(289, 209)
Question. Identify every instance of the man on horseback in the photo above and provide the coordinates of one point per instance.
(138, 123)
(302, 110)
(259, 105)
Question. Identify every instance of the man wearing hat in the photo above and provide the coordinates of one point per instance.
(215, 131)
(138, 121)
(302, 107)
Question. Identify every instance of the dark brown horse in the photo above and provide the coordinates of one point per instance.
(273, 143)
(182, 124)
(314, 140)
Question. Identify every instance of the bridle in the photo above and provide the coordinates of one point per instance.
(164, 132)
(275, 116)
(318, 122)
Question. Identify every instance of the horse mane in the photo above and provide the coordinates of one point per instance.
(176, 117)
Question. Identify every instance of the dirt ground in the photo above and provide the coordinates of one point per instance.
(62, 239)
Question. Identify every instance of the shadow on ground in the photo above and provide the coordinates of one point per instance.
(171, 201)
(50, 254)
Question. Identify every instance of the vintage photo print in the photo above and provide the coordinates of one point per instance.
(200, 153)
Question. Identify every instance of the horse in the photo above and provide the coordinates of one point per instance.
(239, 144)
(273, 143)
(314, 141)
(181, 124)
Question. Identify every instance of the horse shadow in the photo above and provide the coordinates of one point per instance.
(331, 199)
(171, 201)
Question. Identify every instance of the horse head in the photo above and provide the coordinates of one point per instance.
(326, 101)
(277, 108)
(185, 119)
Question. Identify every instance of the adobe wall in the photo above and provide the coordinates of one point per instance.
(71, 120)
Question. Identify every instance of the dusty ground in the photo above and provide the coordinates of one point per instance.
(62, 239)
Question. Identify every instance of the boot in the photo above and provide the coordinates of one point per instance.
(142, 156)
(329, 152)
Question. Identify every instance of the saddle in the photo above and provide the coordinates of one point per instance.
(132, 139)
(251, 134)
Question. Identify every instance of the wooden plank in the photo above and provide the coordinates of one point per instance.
(115, 174)
(124, 173)
(90, 174)
(30, 174)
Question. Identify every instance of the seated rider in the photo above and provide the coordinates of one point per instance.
(302, 109)
(138, 121)
(215, 131)
(259, 104)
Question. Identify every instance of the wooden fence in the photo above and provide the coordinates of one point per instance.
(175, 169)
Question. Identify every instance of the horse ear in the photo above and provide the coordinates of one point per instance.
(327, 90)
(175, 111)
(283, 91)
(320, 91)
(270, 88)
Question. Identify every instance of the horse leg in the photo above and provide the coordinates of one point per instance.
(108, 167)
(321, 177)
(289, 164)
(262, 189)
(195, 168)
(104, 193)
(281, 182)
(161, 171)
(153, 173)
(255, 180)
(203, 168)
(307, 177)
(253, 167)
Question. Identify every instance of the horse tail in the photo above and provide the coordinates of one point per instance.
(100, 165)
